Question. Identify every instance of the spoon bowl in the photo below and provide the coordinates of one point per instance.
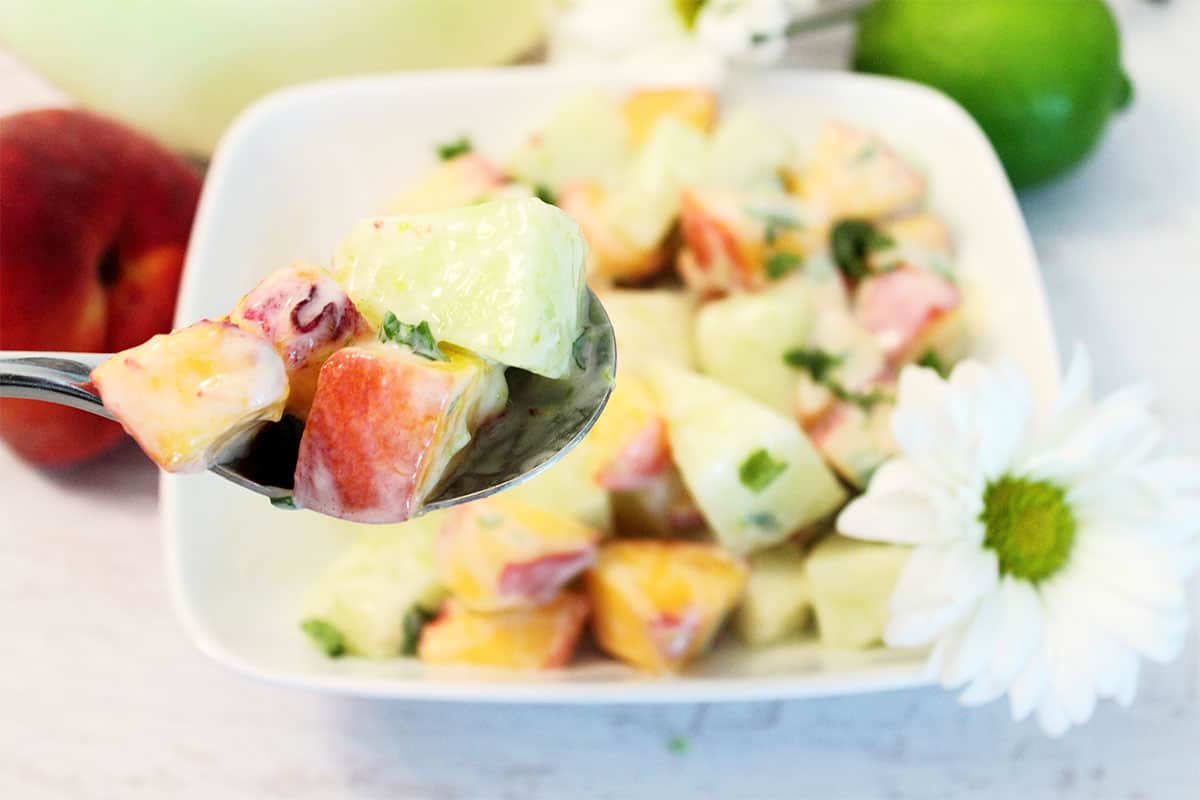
(543, 420)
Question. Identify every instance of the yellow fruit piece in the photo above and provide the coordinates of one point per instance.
(645, 108)
(501, 553)
(657, 604)
(628, 444)
(853, 173)
(194, 397)
(527, 638)
(651, 325)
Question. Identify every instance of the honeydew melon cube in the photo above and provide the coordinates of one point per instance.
(714, 432)
(503, 279)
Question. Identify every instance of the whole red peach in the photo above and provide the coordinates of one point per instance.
(94, 223)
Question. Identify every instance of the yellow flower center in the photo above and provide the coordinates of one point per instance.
(688, 10)
(1030, 526)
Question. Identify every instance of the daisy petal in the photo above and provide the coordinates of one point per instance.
(1003, 408)
(938, 586)
(900, 517)
(930, 426)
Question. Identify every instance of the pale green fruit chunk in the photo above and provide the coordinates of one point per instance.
(713, 431)
(747, 153)
(503, 279)
(367, 592)
(645, 204)
(851, 584)
(587, 139)
(777, 602)
(741, 340)
(567, 488)
(651, 324)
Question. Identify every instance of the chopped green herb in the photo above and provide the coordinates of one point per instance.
(678, 745)
(284, 502)
(417, 338)
(579, 350)
(759, 38)
(864, 400)
(545, 194)
(449, 150)
(688, 10)
(781, 263)
(864, 155)
(759, 470)
(761, 519)
(774, 222)
(852, 240)
(328, 638)
(817, 363)
(932, 360)
(414, 622)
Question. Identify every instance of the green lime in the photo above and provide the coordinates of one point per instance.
(1040, 76)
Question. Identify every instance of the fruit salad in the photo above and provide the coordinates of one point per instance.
(764, 297)
(390, 362)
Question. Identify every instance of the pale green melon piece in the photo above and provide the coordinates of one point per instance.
(777, 602)
(368, 591)
(748, 153)
(741, 340)
(504, 279)
(645, 204)
(851, 583)
(713, 431)
(587, 139)
(651, 324)
(567, 488)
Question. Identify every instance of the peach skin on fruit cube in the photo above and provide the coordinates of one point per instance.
(644, 108)
(611, 255)
(540, 637)
(387, 425)
(501, 553)
(628, 444)
(192, 398)
(730, 238)
(460, 181)
(306, 315)
(656, 604)
(899, 307)
(853, 173)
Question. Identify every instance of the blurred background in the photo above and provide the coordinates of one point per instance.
(104, 696)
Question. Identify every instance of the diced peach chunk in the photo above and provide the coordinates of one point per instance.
(460, 181)
(628, 444)
(306, 315)
(501, 553)
(387, 425)
(898, 307)
(644, 108)
(538, 637)
(853, 173)
(728, 238)
(194, 397)
(855, 441)
(657, 604)
(611, 255)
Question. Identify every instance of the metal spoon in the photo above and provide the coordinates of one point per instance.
(543, 420)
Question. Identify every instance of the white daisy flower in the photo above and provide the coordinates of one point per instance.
(709, 32)
(1050, 550)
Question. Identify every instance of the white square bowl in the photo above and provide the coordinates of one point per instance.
(300, 167)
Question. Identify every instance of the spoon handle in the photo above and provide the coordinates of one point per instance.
(53, 378)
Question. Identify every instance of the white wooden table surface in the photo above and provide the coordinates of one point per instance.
(101, 696)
